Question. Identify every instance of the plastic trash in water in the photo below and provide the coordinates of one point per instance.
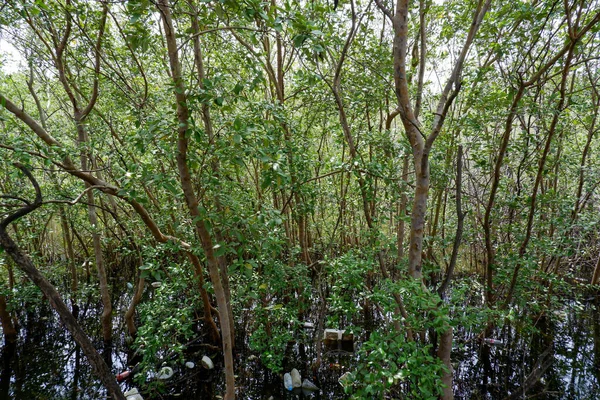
(493, 342)
(165, 373)
(333, 334)
(344, 379)
(123, 375)
(190, 364)
(287, 382)
(296, 378)
(308, 385)
(133, 394)
(207, 362)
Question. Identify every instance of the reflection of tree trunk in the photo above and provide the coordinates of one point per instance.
(575, 325)
(596, 330)
(76, 373)
(99, 366)
(537, 371)
(322, 310)
(485, 358)
(8, 352)
(10, 333)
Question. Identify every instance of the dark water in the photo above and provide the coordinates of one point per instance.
(558, 359)
(564, 346)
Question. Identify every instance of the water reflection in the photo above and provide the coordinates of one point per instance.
(560, 359)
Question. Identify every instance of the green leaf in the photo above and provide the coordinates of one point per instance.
(299, 40)
(237, 89)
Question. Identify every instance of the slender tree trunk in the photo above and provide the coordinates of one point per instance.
(135, 300)
(540, 175)
(207, 308)
(64, 223)
(418, 215)
(596, 276)
(206, 118)
(586, 149)
(459, 226)
(106, 317)
(487, 222)
(192, 202)
(402, 209)
(79, 115)
(444, 353)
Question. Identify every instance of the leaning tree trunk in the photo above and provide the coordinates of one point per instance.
(135, 300)
(98, 364)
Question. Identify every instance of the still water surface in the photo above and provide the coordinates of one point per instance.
(560, 360)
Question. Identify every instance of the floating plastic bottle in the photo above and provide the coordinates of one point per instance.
(308, 385)
(123, 375)
(207, 362)
(133, 394)
(494, 342)
(296, 378)
(165, 373)
(344, 379)
(287, 382)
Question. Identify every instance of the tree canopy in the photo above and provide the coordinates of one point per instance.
(401, 170)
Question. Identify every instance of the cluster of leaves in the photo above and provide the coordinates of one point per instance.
(388, 362)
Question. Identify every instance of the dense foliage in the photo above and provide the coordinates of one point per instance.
(256, 158)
